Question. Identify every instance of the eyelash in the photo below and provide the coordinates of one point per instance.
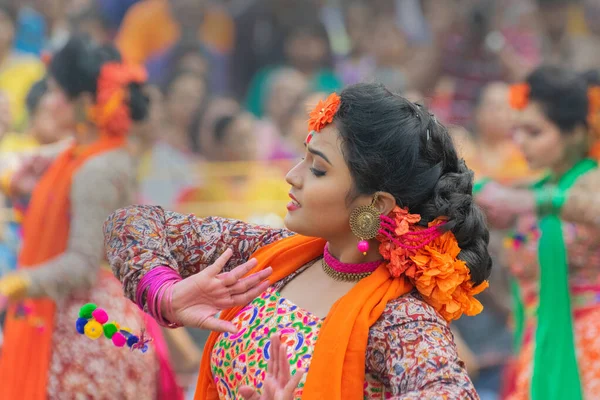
(317, 173)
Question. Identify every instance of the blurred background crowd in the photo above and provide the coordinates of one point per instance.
(231, 81)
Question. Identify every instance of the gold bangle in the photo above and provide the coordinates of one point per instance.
(15, 286)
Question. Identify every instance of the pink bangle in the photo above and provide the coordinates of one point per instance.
(157, 283)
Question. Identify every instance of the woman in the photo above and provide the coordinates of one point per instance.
(552, 255)
(59, 266)
(369, 320)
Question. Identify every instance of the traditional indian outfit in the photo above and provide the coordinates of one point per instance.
(381, 340)
(557, 292)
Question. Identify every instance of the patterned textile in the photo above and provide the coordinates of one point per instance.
(410, 352)
(583, 256)
(241, 359)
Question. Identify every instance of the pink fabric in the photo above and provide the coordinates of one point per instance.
(168, 388)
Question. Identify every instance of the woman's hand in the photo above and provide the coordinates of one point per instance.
(278, 384)
(28, 175)
(503, 204)
(196, 300)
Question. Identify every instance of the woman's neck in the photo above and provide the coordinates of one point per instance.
(176, 138)
(346, 251)
(89, 136)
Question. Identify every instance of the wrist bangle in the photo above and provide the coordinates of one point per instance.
(157, 284)
(549, 201)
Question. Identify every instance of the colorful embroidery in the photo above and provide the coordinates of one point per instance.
(241, 358)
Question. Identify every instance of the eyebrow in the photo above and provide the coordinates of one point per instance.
(317, 153)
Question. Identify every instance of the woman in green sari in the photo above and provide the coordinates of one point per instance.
(553, 249)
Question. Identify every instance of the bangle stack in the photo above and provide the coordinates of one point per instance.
(158, 285)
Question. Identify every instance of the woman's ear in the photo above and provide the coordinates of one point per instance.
(384, 203)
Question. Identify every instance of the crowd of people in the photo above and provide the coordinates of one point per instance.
(196, 110)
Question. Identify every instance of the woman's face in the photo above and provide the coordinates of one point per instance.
(494, 116)
(541, 141)
(185, 95)
(320, 184)
(306, 52)
(239, 141)
(297, 126)
(44, 124)
(61, 107)
(286, 88)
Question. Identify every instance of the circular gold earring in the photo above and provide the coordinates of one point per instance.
(365, 224)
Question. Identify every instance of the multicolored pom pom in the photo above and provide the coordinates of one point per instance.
(87, 310)
(93, 329)
(93, 322)
(109, 330)
(80, 325)
(119, 340)
(100, 315)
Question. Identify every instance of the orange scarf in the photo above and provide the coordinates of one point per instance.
(25, 357)
(337, 369)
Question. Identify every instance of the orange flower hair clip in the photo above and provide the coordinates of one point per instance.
(111, 113)
(323, 114)
(519, 96)
(428, 258)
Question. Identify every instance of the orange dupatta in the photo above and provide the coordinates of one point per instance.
(25, 357)
(337, 369)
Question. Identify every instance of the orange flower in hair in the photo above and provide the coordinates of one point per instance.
(519, 96)
(323, 113)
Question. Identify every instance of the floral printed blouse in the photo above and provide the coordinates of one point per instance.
(410, 353)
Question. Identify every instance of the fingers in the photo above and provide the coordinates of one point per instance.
(284, 366)
(215, 268)
(273, 365)
(292, 384)
(248, 393)
(245, 298)
(233, 276)
(218, 325)
(247, 283)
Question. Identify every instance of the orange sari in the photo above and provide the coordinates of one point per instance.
(337, 368)
(26, 354)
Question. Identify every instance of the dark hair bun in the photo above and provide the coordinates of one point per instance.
(395, 146)
(76, 68)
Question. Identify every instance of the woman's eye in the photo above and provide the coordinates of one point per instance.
(317, 172)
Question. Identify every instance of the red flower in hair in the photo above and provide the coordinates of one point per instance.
(519, 96)
(323, 113)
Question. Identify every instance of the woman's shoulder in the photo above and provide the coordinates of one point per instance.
(408, 309)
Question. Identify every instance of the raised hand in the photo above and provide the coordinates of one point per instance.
(196, 300)
(278, 384)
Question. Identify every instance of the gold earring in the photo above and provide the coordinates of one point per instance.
(365, 224)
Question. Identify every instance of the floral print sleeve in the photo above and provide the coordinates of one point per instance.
(140, 238)
(411, 355)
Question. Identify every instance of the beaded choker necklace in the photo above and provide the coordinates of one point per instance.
(346, 272)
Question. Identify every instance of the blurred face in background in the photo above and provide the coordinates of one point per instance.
(183, 99)
(286, 87)
(216, 109)
(307, 51)
(62, 108)
(494, 116)
(44, 125)
(388, 42)
(542, 142)
(7, 32)
(358, 18)
(239, 139)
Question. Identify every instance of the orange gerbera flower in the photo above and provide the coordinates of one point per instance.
(519, 96)
(323, 113)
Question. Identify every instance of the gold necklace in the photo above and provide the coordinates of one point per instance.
(342, 276)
